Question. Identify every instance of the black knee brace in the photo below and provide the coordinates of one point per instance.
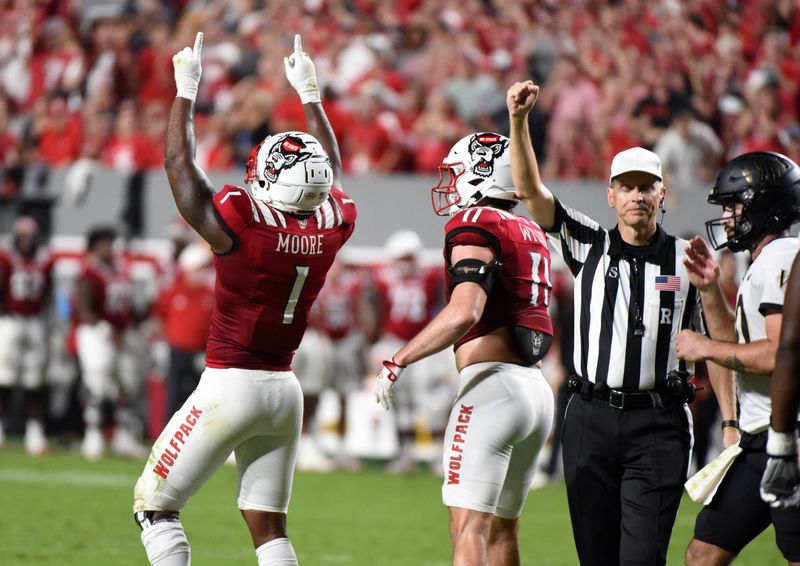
(146, 518)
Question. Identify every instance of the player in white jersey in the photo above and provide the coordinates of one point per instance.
(760, 196)
(780, 486)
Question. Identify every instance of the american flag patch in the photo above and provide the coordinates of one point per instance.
(668, 283)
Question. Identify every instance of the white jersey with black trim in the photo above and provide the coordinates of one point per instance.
(760, 294)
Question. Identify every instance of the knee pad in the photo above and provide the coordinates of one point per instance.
(145, 519)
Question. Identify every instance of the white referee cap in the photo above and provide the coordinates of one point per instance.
(194, 256)
(635, 159)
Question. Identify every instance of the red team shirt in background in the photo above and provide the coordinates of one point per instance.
(522, 287)
(111, 291)
(25, 282)
(186, 314)
(408, 303)
(334, 312)
(267, 283)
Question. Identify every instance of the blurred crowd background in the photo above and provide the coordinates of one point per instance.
(88, 83)
(697, 80)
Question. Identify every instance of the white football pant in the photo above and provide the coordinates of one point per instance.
(256, 414)
(108, 368)
(23, 351)
(501, 418)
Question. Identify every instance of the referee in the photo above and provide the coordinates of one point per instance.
(627, 431)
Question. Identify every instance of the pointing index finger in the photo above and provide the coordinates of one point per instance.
(198, 44)
(298, 45)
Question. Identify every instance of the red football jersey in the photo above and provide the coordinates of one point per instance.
(408, 302)
(267, 283)
(112, 291)
(522, 287)
(335, 310)
(25, 282)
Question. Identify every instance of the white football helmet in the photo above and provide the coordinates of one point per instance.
(404, 243)
(478, 166)
(291, 171)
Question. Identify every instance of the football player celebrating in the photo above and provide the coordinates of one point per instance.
(273, 245)
(760, 197)
(25, 281)
(498, 286)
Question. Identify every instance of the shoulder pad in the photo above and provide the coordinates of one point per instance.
(343, 205)
(235, 208)
(479, 226)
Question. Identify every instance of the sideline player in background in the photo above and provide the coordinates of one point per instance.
(780, 486)
(407, 296)
(498, 287)
(331, 355)
(272, 250)
(760, 197)
(25, 283)
(102, 317)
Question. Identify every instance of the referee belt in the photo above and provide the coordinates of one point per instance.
(620, 400)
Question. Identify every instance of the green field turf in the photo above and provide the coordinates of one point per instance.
(60, 509)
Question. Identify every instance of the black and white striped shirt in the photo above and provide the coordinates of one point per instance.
(624, 338)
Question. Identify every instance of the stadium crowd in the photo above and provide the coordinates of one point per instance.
(405, 80)
(92, 81)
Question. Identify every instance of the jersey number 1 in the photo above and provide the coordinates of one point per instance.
(294, 296)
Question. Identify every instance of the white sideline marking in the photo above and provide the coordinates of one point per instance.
(29, 476)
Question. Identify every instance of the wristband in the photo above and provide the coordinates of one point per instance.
(309, 91)
(781, 443)
(729, 424)
(188, 92)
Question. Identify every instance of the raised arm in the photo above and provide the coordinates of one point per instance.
(191, 188)
(524, 169)
(303, 77)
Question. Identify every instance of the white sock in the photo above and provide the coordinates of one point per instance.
(166, 544)
(277, 552)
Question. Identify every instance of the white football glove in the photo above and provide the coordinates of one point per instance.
(301, 73)
(383, 385)
(780, 485)
(187, 69)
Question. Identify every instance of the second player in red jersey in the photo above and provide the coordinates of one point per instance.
(25, 282)
(496, 317)
(274, 242)
(520, 246)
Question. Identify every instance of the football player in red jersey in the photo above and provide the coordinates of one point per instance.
(273, 244)
(498, 285)
(25, 282)
(102, 319)
(408, 295)
(331, 355)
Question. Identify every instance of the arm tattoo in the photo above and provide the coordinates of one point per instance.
(734, 363)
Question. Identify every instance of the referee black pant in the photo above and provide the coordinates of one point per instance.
(624, 471)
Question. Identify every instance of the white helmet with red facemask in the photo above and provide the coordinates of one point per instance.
(478, 166)
(291, 171)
